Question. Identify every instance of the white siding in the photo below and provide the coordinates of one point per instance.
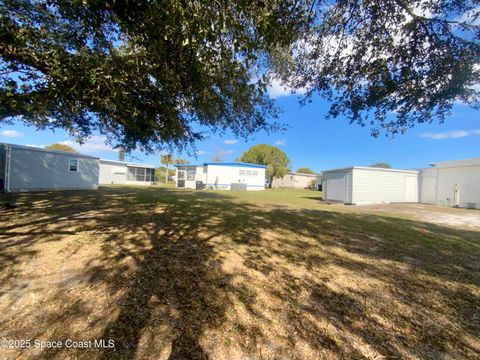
(337, 185)
(372, 185)
(427, 182)
(468, 180)
(112, 173)
(221, 177)
(438, 183)
(199, 175)
(37, 169)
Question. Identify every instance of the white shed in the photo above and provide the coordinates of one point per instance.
(368, 185)
(451, 183)
(220, 176)
(25, 168)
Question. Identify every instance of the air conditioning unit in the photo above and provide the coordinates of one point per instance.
(471, 205)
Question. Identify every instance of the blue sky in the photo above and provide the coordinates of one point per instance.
(310, 140)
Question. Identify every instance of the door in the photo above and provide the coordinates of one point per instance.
(428, 189)
(181, 178)
(336, 186)
(411, 189)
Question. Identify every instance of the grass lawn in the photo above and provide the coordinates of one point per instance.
(234, 275)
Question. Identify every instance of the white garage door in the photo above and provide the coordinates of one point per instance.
(336, 186)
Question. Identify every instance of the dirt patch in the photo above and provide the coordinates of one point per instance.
(459, 218)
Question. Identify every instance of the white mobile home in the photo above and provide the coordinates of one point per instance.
(368, 185)
(24, 168)
(121, 172)
(221, 176)
(294, 180)
(451, 183)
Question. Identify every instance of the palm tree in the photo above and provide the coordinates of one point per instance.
(165, 160)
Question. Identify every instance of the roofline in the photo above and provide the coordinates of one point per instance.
(233, 164)
(236, 164)
(49, 150)
(297, 173)
(370, 168)
(454, 161)
(126, 163)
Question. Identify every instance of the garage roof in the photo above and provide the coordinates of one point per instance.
(456, 163)
(371, 168)
(33, 148)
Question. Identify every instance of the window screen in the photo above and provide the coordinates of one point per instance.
(150, 175)
(131, 174)
(140, 174)
(191, 173)
(73, 164)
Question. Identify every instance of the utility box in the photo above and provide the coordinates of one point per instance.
(239, 186)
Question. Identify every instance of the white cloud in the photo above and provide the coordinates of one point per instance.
(231, 142)
(456, 134)
(36, 146)
(280, 142)
(10, 133)
(228, 152)
(276, 89)
(93, 144)
(200, 152)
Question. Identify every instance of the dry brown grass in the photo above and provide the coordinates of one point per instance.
(187, 275)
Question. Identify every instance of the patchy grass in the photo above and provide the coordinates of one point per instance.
(267, 275)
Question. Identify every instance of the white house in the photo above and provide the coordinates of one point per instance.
(121, 172)
(451, 183)
(220, 176)
(368, 185)
(25, 168)
(294, 180)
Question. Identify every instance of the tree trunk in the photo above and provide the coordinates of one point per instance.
(270, 182)
(166, 173)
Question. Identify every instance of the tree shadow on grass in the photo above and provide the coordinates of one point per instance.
(162, 257)
(176, 269)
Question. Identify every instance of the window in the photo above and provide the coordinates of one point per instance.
(140, 174)
(131, 174)
(150, 175)
(181, 175)
(191, 173)
(248, 173)
(73, 164)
